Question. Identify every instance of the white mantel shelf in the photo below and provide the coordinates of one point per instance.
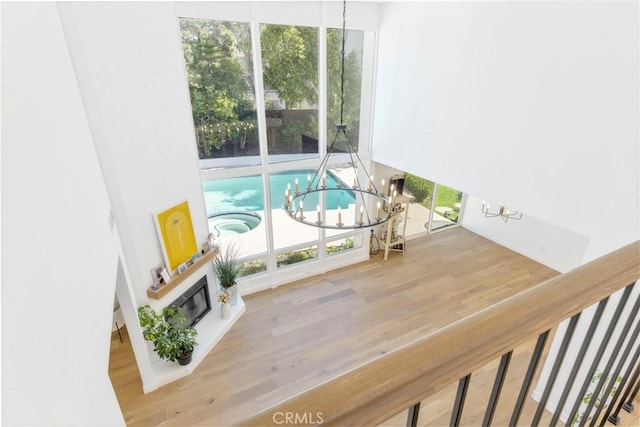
(210, 329)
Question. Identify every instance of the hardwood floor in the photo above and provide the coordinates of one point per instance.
(307, 332)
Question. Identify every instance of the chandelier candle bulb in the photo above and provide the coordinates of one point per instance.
(378, 212)
(297, 188)
(355, 182)
(324, 179)
(370, 183)
(361, 214)
(289, 205)
(382, 186)
(301, 210)
(319, 214)
(339, 216)
(308, 182)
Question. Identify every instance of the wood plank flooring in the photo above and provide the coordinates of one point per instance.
(307, 332)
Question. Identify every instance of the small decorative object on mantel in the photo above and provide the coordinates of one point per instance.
(182, 268)
(166, 277)
(172, 339)
(225, 309)
(227, 269)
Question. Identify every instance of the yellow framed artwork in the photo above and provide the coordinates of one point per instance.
(175, 231)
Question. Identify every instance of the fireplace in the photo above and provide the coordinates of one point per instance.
(195, 302)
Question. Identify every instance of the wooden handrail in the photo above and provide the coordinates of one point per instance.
(371, 393)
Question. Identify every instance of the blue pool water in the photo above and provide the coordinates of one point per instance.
(246, 192)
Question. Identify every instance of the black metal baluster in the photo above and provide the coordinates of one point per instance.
(456, 414)
(628, 405)
(528, 378)
(614, 376)
(615, 418)
(556, 367)
(607, 368)
(497, 388)
(598, 356)
(412, 417)
(578, 362)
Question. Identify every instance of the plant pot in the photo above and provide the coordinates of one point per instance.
(232, 291)
(225, 310)
(185, 359)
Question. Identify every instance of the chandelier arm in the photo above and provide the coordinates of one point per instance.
(353, 151)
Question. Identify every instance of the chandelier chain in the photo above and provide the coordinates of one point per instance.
(344, 30)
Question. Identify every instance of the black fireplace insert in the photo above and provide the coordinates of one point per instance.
(195, 302)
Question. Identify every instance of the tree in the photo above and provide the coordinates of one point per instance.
(221, 87)
(290, 63)
(352, 83)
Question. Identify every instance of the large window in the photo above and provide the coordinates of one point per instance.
(435, 206)
(354, 46)
(220, 73)
(290, 74)
(242, 116)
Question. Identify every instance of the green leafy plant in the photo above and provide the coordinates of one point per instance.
(227, 267)
(600, 399)
(172, 338)
(419, 187)
(348, 243)
(293, 257)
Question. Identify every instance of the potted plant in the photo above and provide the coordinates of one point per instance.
(172, 338)
(227, 269)
(225, 308)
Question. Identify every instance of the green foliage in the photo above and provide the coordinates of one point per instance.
(586, 399)
(290, 62)
(227, 267)
(219, 71)
(349, 243)
(294, 257)
(220, 75)
(168, 331)
(419, 187)
(422, 189)
(292, 132)
(352, 84)
(253, 267)
(449, 197)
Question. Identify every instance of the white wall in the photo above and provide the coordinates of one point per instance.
(130, 69)
(547, 243)
(59, 255)
(129, 64)
(533, 105)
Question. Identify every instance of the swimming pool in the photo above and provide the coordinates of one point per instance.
(246, 193)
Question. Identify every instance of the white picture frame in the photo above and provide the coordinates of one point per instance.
(165, 275)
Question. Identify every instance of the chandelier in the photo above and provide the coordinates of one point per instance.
(371, 207)
(503, 213)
